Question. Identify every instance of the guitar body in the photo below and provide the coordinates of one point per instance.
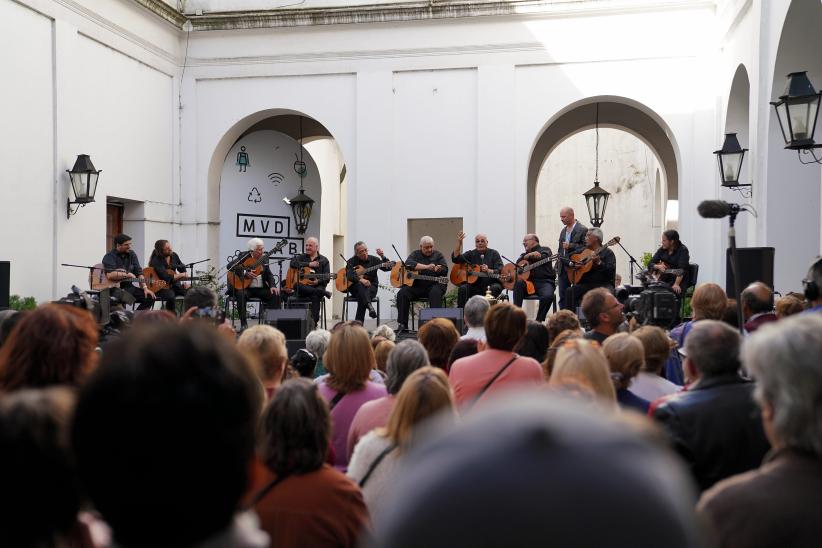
(399, 276)
(585, 265)
(508, 276)
(292, 278)
(241, 282)
(342, 283)
(97, 279)
(153, 282)
(458, 274)
(309, 276)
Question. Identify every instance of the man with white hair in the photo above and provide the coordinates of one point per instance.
(474, 316)
(779, 503)
(489, 262)
(602, 273)
(263, 283)
(315, 291)
(428, 262)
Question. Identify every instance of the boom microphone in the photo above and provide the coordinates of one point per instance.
(717, 209)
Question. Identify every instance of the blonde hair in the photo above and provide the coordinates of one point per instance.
(556, 343)
(581, 362)
(424, 393)
(381, 353)
(625, 356)
(265, 347)
(709, 302)
(349, 358)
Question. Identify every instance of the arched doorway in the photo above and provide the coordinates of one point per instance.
(737, 120)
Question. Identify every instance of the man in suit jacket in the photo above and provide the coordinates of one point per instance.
(571, 241)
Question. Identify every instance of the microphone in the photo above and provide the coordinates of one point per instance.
(717, 209)
(482, 258)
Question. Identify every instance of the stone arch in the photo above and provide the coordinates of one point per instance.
(737, 120)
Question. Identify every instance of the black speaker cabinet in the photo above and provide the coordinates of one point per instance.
(292, 345)
(453, 314)
(5, 276)
(755, 265)
(295, 323)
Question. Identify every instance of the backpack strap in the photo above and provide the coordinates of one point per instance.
(335, 400)
(376, 463)
(491, 381)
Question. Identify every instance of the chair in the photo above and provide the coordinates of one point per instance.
(231, 306)
(693, 273)
(424, 301)
(350, 299)
(300, 302)
(533, 297)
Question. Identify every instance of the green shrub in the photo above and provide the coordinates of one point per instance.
(16, 302)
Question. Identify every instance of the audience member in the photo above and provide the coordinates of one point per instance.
(381, 353)
(200, 296)
(438, 336)
(265, 346)
(714, 426)
(707, 303)
(788, 306)
(304, 362)
(561, 321)
(556, 344)
(603, 312)
(779, 503)
(497, 368)
(154, 316)
(300, 500)
(385, 331)
(8, 321)
(536, 471)
(757, 306)
(581, 369)
(474, 316)
(407, 357)
(656, 344)
(350, 360)
(52, 345)
(731, 315)
(316, 342)
(163, 437)
(535, 342)
(625, 358)
(812, 285)
(463, 348)
(375, 462)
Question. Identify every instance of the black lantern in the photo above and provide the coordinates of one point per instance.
(83, 178)
(730, 162)
(596, 198)
(301, 206)
(797, 110)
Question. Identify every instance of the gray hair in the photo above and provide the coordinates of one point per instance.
(784, 360)
(384, 330)
(475, 310)
(254, 242)
(358, 244)
(426, 240)
(316, 241)
(407, 357)
(317, 341)
(597, 233)
(713, 348)
(200, 296)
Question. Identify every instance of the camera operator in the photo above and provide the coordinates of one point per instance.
(201, 302)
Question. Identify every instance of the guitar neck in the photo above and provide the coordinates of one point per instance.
(539, 263)
(438, 279)
(377, 266)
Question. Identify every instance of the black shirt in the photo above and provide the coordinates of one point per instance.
(127, 262)
(602, 274)
(269, 280)
(301, 261)
(543, 272)
(418, 258)
(370, 262)
(160, 266)
(489, 257)
(680, 258)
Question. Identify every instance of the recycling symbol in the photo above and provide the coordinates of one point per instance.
(254, 196)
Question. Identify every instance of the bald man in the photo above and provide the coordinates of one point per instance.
(426, 261)
(757, 306)
(316, 291)
(571, 241)
(489, 262)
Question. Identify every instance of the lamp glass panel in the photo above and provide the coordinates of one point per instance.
(730, 164)
(781, 109)
(802, 113)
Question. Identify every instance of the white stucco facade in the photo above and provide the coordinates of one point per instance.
(430, 117)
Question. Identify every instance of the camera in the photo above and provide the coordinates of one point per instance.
(653, 306)
(215, 315)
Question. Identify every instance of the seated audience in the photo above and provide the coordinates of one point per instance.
(556, 344)
(714, 426)
(534, 471)
(497, 368)
(707, 303)
(381, 353)
(788, 306)
(625, 358)
(474, 316)
(603, 312)
(649, 384)
(812, 285)
(384, 331)
(463, 348)
(52, 345)
(350, 360)
(731, 314)
(316, 342)
(8, 321)
(780, 503)
(304, 362)
(407, 357)
(438, 336)
(559, 322)
(164, 435)
(265, 346)
(375, 462)
(757, 306)
(581, 369)
(535, 342)
(154, 316)
(300, 500)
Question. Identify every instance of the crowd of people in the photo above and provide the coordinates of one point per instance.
(516, 432)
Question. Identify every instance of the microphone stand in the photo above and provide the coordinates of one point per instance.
(631, 261)
(190, 266)
(735, 268)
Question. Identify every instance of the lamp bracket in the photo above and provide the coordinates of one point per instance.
(69, 211)
(809, 151)
(746, 191)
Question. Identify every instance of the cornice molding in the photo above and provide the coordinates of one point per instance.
(163, 11)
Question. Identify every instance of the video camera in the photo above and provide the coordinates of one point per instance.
(105, 308)
(651, 306)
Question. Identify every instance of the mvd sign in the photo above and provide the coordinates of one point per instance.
(263, 226)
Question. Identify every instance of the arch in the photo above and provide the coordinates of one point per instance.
(737, 120)
(616, 112)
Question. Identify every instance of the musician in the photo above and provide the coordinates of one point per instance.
(364, 288)
(427, 261)
(263, 285)
(672, 255)
(602, 273)
(571, 241)
(489, 261)
(316, 290)
(122, 265)
(543, 277)
(163, 259)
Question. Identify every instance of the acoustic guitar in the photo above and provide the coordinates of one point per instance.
(97, 279)
(584, 261)
(466, 272)
(402, 276)
(522, 272)
(650, 276)
(251, 265)
(305, 276)
(343, 283)
(155, 283)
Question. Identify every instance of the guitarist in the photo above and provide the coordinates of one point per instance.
(263, 286)
(122, 265)
(602, 273)
(489, 261)
(364, 289)
(427, 261)
(672, 255)
(162, 260)
(543, 277)
(571, 241)
(316, 291)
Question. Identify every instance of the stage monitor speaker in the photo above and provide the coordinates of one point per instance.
(453, 314)
(292, 345)
(295, 323)
(5, 276)
(755, 265)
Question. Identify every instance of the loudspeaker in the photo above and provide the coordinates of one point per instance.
(292, 345)
(453, 314)
(5, 275)
(295, 323)
(755, 265)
